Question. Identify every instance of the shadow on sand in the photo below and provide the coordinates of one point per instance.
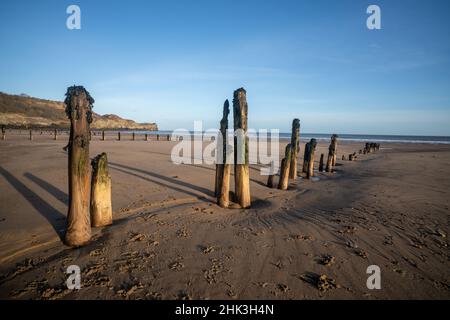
(53, 216)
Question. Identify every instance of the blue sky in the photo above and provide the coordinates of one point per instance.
(174, 62)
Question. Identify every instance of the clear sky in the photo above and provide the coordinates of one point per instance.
(174, 62)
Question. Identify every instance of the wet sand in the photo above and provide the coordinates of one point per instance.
(170, 240)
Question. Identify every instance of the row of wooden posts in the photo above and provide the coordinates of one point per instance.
(159, 137)
(368, 148)
(288, 169)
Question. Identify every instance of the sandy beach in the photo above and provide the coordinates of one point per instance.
(170, 240)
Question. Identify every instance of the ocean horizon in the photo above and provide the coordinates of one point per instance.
(343, 137)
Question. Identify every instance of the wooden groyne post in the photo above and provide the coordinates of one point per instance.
(306, 154)
(321, 163)
(146, 137)
(283, 183)
(367, 148)
(270, 179)
(295, 145)
(332, 153)
(101, 208)
(103, 135)
(118, 135)
(312, 149)
(223, 168)
(3, 133)
(241, 168)
(79, 110)
(31, 134)
(55, 137)
(133, 136)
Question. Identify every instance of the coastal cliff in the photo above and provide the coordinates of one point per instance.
(25, 111)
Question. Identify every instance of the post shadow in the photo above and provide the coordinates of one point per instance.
(52, 215)
(54, 191)
(113, 166)
(168, 179)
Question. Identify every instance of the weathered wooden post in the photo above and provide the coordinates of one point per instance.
(332, 153)
(103, 135)
(79, 110)
(220, 149)
(270, 182)
(157, 137)
(283, 183)
(101, 208)
(241, 169)
(133, 136)
(306, 157)
(118, 135)
(295, 145)
(146, 137)
(3, 133)
(321, 163)
(168, 137)
(271, 177)
(367, 148)
(222, 194)
(312, 149)
(31, 134)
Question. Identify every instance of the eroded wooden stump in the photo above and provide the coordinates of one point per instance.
(295, 145)
(321, 163)
(79, 110)
(223, 199)
(223, 168)
(101, 208)
(283, 183)
(306, 157)
(332, 153)
(312, 149)
(241, 168)
(270, 181)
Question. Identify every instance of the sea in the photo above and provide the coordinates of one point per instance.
(348, 137)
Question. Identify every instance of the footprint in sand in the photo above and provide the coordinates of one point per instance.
(183, 233)
(327, 260)
(136, 237)
(176, 266)
(321, 282)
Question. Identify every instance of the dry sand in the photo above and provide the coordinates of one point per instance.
(171, 241)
